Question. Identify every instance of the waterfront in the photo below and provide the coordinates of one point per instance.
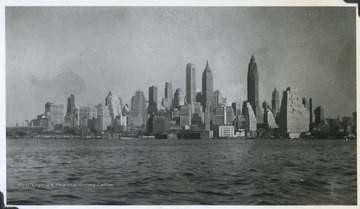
(181, 172)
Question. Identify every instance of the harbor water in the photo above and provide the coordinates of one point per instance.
(181, 172)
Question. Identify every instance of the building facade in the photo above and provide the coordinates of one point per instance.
(207, 88)
(190, 85)
(253, 89)
(153, 109)
(54, 112)
(294, 117)
(138, 114)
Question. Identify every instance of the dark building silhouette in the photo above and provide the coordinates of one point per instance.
(207, 88)
(319, 115)
(152, 109)
(275, 102)
(71, 105)
(191, 85)
(253, 89)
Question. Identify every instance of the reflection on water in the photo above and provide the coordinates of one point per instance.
(181, 172)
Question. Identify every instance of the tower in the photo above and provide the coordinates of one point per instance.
(275, 102)
(152, 109)
(253, 89)
(178, 98)
(168, 95)
(190, 85)
(207, 87)
(71, 105)
(138, 114)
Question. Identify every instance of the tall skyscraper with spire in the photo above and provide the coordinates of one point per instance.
(275, 102)
(207, 88)
(253, 89)
(191, 85)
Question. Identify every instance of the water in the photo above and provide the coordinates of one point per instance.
(181, 172)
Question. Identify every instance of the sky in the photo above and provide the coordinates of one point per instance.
(52, 52)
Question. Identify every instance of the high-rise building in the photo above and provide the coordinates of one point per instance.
(152, 109)
(191, 85)
(71, 105)
(236, 107)
(269, 119)
(207, 87)
(253, 89)
(250, 119)
(168, 99)
(138, 114)
(319, 115)
(275, 102)
(114, 104)
(217, 99)
(185, 115)
(308, 104)
(85, 113)
(294, 117)
(54, 112)
(179, 98)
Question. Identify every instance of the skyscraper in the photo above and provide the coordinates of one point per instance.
(253, 89)
(114, 104)
(217, 99)
(207, 87)
(319, 115)
(191, 85)
(168, 95)
(178, 98)
(54, 113)
(294, 117)
(152, 109)
(275, 102)
(71, 105)
(138, 115)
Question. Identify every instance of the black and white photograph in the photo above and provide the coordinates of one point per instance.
(179, 105)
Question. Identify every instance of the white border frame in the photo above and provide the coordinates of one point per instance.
(273, 3)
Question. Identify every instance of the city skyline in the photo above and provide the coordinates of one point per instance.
(85, 61)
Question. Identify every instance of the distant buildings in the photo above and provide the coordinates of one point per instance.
(199, 113)
(54, 112)
(294, 116)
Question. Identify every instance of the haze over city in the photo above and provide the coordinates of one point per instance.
(54, 52)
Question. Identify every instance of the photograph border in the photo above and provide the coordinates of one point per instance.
(156, 3)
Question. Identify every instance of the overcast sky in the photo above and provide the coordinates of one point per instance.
(52, 52)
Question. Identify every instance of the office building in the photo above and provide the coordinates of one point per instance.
(191, 85)
(294, 117)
